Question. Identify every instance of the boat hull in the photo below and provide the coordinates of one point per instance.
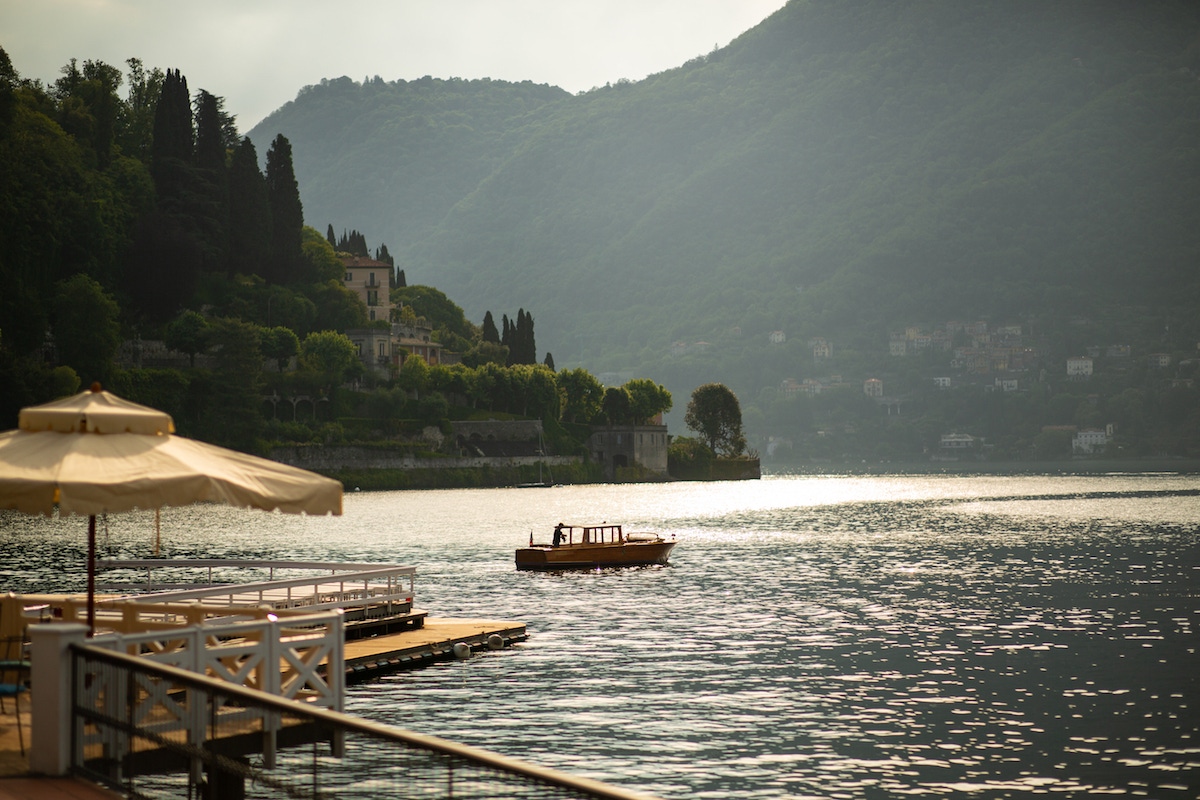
(592, 556)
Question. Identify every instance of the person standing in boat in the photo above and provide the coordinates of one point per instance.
(558, 535)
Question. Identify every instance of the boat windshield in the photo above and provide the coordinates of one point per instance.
(592, 534)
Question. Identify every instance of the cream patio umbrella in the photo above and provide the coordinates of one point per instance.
(95, 452)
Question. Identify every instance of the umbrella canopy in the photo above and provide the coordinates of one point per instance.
(95, 452)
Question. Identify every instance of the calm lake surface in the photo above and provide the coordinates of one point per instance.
(813, 636)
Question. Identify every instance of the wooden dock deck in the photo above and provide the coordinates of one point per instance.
(365, 658)
(434, 641)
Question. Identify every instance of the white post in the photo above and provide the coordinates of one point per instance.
(50, 696)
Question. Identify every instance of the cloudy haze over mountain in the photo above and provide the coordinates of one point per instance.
(259, 54)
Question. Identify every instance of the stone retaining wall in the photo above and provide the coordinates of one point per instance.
(350, 457)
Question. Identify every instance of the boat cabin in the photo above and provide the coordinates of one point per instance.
(591, 534)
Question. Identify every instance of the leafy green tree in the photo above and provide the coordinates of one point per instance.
(688, 458)
(338, 308)
(321, 262)
(9, 78)
(232, 415)
(63, 382)
(485, 353)
(647, 399)
(582, 394)
(135, 131)
(617, 406)
(281, 344)
(88, 107)
(188, 333)
(439, 311)
(87, 328)
(715, 414)
(537, 391)
(329, 354)
(414, 375)
(433, 407)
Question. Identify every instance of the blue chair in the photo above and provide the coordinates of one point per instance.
(14, 680)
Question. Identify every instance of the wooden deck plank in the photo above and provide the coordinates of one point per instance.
(30, 788)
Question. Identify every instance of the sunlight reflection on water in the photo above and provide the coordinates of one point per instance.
(858, 637)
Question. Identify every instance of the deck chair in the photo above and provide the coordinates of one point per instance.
(14, 680)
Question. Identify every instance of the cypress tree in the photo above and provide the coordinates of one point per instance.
(382, 255)
(171, 151)
(287, 213)
(490, 334)
(329, 237)
(209, 205)
(249, 213)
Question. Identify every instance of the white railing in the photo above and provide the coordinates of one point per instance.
(382, 588)
(280, 656)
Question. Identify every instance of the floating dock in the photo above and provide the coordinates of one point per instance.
(435, 640)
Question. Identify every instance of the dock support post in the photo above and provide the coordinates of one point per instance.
(51, 695)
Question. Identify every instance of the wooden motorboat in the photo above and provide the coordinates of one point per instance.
(591, 546)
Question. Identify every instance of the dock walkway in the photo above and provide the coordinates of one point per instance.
(365, 658)
(434, 641)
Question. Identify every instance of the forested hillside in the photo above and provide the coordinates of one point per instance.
(842, 165)
(844, 170)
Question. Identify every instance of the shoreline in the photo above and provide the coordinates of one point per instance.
(1181, 466)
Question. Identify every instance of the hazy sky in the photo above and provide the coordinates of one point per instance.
(258, 53)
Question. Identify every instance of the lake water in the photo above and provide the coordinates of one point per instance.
(813, 637)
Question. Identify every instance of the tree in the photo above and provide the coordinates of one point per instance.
(715, 414)
(171, 152)
(249, 213)
(329, 354)
(647, 399)
(88, 107)
(287, 213)
(438, 310)
(210, 202)
(136, 115)
(281, 344)
(233, 414)
(87, 330)
(519, 338)
(188, 333)
(414, 376)
(617, 405)
(549, 361)
(485, 353)
(582, 394)
(489, 331)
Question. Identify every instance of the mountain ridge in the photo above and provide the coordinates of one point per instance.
(838, 169)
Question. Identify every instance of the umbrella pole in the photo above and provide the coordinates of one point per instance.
(91, 568)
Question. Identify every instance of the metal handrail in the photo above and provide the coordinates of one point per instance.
(382, 736)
